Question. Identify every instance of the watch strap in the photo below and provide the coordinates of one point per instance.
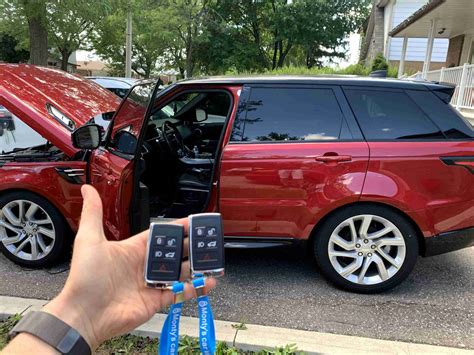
(53, 332)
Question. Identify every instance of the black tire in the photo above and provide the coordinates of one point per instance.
(61, 230)
(322, 240)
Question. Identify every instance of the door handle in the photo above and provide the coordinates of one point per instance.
(333, 158)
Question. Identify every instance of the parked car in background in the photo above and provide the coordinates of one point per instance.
(119, 86)
(370, 172)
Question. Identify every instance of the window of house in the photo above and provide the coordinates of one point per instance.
(387, 115)
(289, 114)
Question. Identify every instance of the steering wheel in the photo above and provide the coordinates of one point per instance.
(173, 138)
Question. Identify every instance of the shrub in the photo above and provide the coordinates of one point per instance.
(379, 63)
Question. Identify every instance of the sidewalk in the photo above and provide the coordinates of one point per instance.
(257, 337)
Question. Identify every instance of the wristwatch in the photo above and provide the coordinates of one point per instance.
(53, 332)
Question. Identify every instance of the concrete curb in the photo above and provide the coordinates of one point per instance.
(257, 337)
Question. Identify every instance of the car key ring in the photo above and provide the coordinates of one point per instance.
(169, 339)
(207, 333)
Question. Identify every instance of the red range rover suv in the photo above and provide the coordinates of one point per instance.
(371, 172)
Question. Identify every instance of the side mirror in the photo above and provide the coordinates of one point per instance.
(125, 142)
(87, 137)
(201, 115)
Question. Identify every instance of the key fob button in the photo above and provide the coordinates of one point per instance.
(200, 231)
(171, 242)
(211, 244)
(160, 240)
(201, 244)
(211, 232)
(170, 255)
(162, 267)
(207, 257)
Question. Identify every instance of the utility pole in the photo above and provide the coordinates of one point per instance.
(128, 44)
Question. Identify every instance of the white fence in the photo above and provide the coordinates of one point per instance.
(462, 77)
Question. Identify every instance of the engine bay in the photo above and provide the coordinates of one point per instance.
(41, 153)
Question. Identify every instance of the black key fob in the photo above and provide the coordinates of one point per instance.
(206, 245)
(164, 254)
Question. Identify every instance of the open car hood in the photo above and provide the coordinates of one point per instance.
(53, 102)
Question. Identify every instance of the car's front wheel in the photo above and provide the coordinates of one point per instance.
(366, 248)
(32, 232)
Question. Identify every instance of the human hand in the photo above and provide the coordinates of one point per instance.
(105, 293)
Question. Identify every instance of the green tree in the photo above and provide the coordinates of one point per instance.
(26, 21)
(150, 37)
(10, 51)
(70, 23)
(184, 21)
(278, 32)
(61, 25)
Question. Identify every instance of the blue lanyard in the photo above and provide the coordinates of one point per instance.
(207, 333)
(169, 340)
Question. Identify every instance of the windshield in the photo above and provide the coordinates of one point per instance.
(15, 134)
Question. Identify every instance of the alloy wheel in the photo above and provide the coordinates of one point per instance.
(366, 249)
(26, 230)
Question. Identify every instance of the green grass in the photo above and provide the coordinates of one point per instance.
(133, 344)
(5, 327)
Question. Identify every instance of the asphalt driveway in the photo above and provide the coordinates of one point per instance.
(282, 287)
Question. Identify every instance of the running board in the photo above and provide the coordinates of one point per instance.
(233, 242)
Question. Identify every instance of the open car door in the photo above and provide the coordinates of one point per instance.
(112, 166)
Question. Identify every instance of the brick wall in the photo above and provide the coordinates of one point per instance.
(377, 44)
(454, 51)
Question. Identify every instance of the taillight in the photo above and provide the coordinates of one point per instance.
(465, 162)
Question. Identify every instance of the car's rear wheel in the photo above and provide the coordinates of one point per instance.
(32, 232)
(366, 248)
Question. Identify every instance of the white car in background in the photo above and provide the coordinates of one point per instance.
(119, 86)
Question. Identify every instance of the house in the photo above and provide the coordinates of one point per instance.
(54, 61)
(92, 68)
(388, 14)
(451, 20)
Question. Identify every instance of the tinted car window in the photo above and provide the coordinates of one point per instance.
(289, 114)
(443, 114)
(386, 115)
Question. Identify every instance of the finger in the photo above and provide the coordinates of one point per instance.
(185, 271)
(190, 292)
(91, 227)
(167, 297)
(185, 223)
(185, 248)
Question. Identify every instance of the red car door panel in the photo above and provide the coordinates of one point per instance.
(413, 177)
(283, 189)
(112, 176)
(112, 167)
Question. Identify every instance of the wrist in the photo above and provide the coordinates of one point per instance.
(74, 315)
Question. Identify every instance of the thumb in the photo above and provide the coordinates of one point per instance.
(91, 225)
